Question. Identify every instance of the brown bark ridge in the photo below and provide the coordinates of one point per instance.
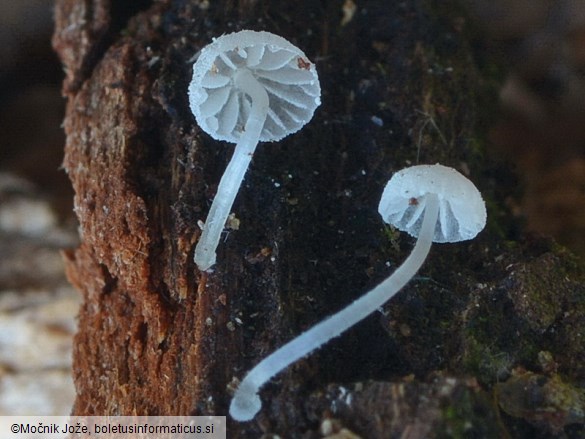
(400, 86)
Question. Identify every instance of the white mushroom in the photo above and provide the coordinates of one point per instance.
(432, 202)
(462, 212)
(247, 87)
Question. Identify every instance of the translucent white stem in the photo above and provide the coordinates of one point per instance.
(246, 402)
(235, 171)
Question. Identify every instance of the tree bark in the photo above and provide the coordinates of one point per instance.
(156, 336)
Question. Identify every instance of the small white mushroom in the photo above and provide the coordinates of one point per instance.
(462, 212)
(247, 87)
(431, 202)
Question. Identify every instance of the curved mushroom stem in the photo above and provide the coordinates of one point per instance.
(246, 402)
(235, 171)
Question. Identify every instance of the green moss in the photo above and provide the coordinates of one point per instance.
(534, 306)
(485, 362)
(547, 401)
(469, 413)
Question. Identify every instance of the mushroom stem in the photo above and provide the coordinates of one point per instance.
(246, 402)
(235, 171)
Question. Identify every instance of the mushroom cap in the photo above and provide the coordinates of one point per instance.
(289, 78)
(462, 213)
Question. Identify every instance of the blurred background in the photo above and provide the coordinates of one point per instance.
(541, 124)
(539, 128)
(37, 305)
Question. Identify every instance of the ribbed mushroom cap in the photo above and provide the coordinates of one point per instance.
(462, 213)
(290, 80)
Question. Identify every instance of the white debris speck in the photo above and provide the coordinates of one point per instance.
(348, 9)
(377, 121)
(233, 223)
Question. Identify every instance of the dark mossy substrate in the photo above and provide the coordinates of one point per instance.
(401, 85)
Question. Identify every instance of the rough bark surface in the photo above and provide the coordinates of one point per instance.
(400, 86)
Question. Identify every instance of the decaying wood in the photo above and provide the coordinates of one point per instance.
(158, 337)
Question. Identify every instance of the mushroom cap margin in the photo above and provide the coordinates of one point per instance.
(295, 116)
(462, 212)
